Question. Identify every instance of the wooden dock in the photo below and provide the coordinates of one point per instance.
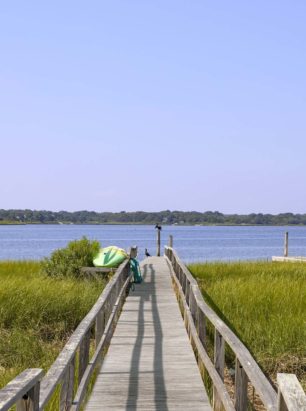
(289, 259)
(150, 364)
(148, 354)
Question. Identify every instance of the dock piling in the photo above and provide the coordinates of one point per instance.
(286, 245)
(158, 243)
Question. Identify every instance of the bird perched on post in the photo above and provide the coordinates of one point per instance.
(147, 254)
(158, 226)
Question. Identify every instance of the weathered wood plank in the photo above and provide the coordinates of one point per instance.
(158, 242)
(254, 373)
(219, 350)
(241, 387)
(133, 251)
(30, 401)
(289, 259)
(203, 357)
(103, 343)
(286, 244)
(150, 364)
(201, 327)
(59, 368)
(84, 354)
(26, 383)
(291, 396)
(100, 324)
(66, 395)
(92, 270)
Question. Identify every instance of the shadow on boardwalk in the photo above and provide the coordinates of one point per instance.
(160, 396)
(150, 364)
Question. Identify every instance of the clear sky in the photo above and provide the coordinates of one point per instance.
(153, 104)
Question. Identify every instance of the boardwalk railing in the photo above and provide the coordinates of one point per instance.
(71, 372)
(196, 316)
(291, 396)
(65, 385)
(22, 391)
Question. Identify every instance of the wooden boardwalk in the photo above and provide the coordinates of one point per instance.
(150, 364)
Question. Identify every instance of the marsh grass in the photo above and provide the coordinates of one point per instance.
(37, 315)
(264, 303)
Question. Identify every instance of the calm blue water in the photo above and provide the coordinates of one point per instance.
(192, 243)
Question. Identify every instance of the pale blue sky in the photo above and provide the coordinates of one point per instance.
(151, 105)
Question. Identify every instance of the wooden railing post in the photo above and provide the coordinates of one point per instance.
(171, 241)
(22, 392)
(179, 274)
(201, 327)
(286, 244)
(241, 387)
(219, 365)
(172, 259)
(281, 405)
(30, 401)
(187, 291)
(66, 396)
(84, 355)
(192, 304)
(133, 251)
(99, 326)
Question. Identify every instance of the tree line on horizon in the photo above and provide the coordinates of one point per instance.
(141, 217)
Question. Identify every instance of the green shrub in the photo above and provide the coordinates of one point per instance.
(67, 262)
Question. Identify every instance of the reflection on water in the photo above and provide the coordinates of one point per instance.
(192, 243)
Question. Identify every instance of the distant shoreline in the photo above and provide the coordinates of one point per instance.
(150, 224)
(165, 217)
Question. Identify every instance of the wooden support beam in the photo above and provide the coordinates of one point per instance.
(66, 395)
(241, 387)
(158, 242)
(286, 244)
(84, 354)
(219, 365)
(100, 324)
(133, 251)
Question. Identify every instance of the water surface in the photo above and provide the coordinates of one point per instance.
(193, 243)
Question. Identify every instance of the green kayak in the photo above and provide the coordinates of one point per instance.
(110, 257)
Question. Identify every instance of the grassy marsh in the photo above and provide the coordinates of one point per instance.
(265, 305)
(37, 315)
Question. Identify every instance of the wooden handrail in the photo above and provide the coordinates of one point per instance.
(105, 340)
(202, 354)
(246, 366)
(23, 391)
(98, 323)
(32, 392)
(291, 396)
(62, 370)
